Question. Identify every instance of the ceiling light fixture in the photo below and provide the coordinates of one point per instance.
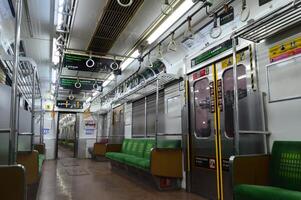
(55, 53)
(177, 14)
(111, 77)
(88, 100)
(128, 61)
(53, 76)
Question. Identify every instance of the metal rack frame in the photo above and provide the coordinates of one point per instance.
(281, 19)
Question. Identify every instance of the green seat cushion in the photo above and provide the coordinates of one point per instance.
(41, 160)
(171, 144)
(138, 162)
(116, 156)
(150, 143)
(285, 167)
(255, 192)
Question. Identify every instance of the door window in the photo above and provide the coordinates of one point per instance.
(202, 108)
(228, 84)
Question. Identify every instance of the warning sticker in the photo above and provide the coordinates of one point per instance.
(285, 50)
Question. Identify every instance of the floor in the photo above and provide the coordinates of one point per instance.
(64, 152)
(75, 179)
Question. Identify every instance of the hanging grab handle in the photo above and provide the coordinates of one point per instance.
(125, 4)
(160, 51)
(166, 8)
(95, 85)
(189, 32)
(245, 12)
(77, 84)
(150, 64)
(114, 65)
(172, 45)
(71, 96)
(216, 30)
(90, 62)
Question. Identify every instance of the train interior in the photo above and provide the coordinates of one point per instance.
(150, 99)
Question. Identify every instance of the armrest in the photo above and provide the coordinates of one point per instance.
(12, 183)
(250, 169)
(31, 163)
(40, 148)
(166, 162)
(99, 149)
(113, 147)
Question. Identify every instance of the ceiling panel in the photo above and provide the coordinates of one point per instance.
(113, 21)
(145, 16)
(86, 17)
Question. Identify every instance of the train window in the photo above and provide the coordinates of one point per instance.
(151, 114)
(228, 84)
(138, 118)
(202, 108)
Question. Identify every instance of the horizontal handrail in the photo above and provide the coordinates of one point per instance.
(170, 134)
(110, 136)
(254, 132)
(4, 130)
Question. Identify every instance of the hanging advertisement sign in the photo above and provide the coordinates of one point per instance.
(86, 63)
(82, 84)
(69, 104)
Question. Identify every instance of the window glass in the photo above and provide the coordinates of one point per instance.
(228, 84)
(202, 108)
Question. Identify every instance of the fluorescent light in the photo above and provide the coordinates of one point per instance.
(128, 61)
(53, 76)
(88, 100)
(95, 93)
(52, 89)
(111, 77)
(55, 53)
(181, 10)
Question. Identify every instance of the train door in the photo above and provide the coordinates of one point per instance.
(212, 124)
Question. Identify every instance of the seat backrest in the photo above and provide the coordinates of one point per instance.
(138, 147)
(150, 143)
(124, 145)
(170, 144)
(12, 182)
(285, 167)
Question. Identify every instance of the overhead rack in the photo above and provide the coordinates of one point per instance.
(25, 78)
(147, 87)
(272, 23)
(144, 88)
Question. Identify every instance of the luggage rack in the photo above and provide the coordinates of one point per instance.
(272, 23)
(146, 87)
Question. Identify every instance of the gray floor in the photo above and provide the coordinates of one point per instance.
(90, 180)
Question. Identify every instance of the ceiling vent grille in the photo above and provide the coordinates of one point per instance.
(113, 21)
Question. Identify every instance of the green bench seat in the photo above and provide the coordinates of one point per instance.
(284, 177)
(41, 160)
(138, 152)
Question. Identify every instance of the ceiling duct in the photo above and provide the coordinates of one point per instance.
(111, 24)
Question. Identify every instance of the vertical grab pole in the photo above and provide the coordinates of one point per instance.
(157, 111)
(145, 120)
(41, 122)
(33, 96)
(235, 106)
(13, 109)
